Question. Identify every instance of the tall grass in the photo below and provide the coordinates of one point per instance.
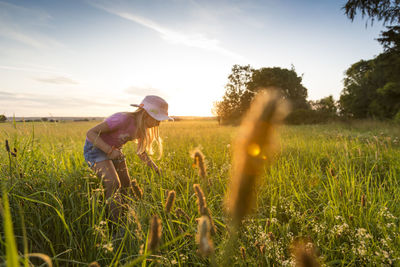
(312, 192)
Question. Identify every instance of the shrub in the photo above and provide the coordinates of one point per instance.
(309, 116)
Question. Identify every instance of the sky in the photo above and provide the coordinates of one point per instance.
(94, 58)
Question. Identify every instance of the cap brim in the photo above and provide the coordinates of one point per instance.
(161, 117)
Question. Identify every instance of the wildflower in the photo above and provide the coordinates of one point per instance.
(94, 264)
(155, 233)
(203, 237)
(170, 201)
(108, 247)
(254, 143)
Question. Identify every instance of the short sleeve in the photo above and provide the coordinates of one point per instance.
(116, 121)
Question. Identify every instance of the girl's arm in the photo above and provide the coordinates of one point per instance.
(146, 159)
(93, 135)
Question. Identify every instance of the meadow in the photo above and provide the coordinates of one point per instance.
(336, 187)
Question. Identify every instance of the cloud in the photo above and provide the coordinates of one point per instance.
(142, 91)
(18, 24)
(28, 100)
(57, 80)
(196, 40)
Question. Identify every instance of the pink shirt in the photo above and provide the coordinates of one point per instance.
(122, 129)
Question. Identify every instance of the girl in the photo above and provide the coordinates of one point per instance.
(104, 141)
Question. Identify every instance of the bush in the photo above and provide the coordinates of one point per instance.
(309, 116)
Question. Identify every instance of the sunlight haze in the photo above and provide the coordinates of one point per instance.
(94, 58)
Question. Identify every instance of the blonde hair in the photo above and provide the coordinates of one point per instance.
(146, 136)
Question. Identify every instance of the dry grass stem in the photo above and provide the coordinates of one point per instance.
(203, 239)
(170, 201)
(181, 214)
(255, 145)
(155, 233)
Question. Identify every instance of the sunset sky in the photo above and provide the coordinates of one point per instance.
(94, 58)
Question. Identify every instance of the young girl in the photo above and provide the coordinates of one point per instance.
(103, 145)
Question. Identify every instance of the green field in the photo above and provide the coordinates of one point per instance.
(336, 186)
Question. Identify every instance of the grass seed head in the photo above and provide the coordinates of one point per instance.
(243, 253)
(170, 201)
(136, 189)
(363, 200)
(7, 146)
(254, 146)
(155, 233)
(304, 254)
(203, 239)
(201, 200)
(200, 162)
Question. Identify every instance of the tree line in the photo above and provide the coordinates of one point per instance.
(371, 87)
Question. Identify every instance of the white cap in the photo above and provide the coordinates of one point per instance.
(155, 106)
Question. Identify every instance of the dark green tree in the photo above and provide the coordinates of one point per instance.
(372, 87)
(3, 118)
(244, 82)
(387, 11)
(287, 80)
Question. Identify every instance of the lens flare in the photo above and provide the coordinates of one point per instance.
(253, 150)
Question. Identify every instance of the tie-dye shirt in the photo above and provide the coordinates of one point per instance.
(122, 129)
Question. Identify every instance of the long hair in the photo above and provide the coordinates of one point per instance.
(146, 136)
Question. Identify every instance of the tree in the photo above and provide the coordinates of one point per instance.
(326, 105)
(372, 88)
(3, 118)
(244, 82)
(232, 106)
(286, 80)
(387, 11)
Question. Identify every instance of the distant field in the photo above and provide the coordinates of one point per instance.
(336, 185)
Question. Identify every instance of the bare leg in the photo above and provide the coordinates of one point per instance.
(106, 170)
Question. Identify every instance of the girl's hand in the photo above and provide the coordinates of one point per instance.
(115, 154)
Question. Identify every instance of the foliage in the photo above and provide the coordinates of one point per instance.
(286, 80)
(310, 116)
(3, 118)
(372, 88)
(325, 105)
(387, 11)
(244, 82)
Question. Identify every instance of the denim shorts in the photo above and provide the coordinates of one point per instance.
(93, 154)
